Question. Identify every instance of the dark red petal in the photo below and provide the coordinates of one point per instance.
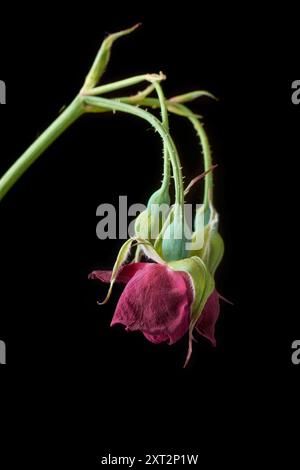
(157, 302)
(156, 339)
(103, 276)
(125, 274)
(208, 319)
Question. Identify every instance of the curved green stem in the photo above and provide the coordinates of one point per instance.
(92, 103)
(143, 100)
(154, 78)
(208, 180)
(184, 111)
(127, 82)
(139, 95)
(64, 120)
(208, 188)
(165, 123)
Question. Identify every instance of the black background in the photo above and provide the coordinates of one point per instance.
(75, 388)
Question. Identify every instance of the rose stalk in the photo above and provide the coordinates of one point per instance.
(76, 109)
(175, 293)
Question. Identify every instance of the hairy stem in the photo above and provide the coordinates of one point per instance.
(92, 104)
(165, 123)
(184, 111)
(127, 82)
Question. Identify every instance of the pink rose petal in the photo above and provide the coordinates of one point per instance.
(208, 319)
(156, 301)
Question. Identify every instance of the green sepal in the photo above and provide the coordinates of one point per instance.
(202, 281)
(138, 255)
(149, 223)
(143, 246)
(202, 232)
(212, 250)
(142, 225)
(216, 252)
(149, 251)
(203, 285)
(201, 213)
(186, 97)
(121, 259)
(101, 61)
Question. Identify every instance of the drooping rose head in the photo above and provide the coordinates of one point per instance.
(156, 301)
